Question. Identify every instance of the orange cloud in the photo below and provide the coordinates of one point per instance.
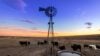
(15, 31)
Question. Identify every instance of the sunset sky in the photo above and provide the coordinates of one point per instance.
(22, 17)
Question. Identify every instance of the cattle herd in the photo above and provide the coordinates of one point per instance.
(74, 47)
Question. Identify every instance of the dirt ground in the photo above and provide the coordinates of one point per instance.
(11, 47)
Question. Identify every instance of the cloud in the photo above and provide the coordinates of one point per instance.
(18, 31)
(15, 4)
(27, 21)
(30, 22)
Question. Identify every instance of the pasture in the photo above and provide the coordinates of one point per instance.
(12, 47)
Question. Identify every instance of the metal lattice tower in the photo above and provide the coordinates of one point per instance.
(50, 12)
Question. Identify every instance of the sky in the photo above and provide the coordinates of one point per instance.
(23, 18)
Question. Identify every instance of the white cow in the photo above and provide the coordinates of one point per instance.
(93, 46)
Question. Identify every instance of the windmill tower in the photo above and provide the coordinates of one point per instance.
(50, 12)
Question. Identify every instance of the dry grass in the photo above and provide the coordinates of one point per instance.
(11, 46)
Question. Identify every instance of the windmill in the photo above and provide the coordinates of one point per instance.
(50, 12)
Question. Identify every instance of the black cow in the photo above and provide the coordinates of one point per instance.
(75, 47)
(98, 46)
(28, 43)
(24, 43)
(62, 47)
(54, 43)
(42, 42)
(46, 42)
(86, 45)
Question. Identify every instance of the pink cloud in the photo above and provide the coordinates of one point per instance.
(27, 21)
(16, 4)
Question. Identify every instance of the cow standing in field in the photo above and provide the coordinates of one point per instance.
(46, 42)
(76, 47)
(24, 43)
(62, 47)
(93, 47)
(54, 43)
(89, 50)
(97, 46)
(42, 42)
(86, 45)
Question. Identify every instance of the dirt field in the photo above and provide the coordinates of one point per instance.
(11, 47)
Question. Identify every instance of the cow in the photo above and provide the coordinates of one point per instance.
(93, 47)
(97, 46)
(62, 47)
(24, 43)
(75, 47)
(54, 43)
(42, 42)
(86, 45)
(46, 42)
